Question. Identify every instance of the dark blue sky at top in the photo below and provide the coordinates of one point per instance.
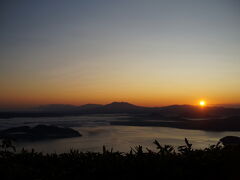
(46, 18)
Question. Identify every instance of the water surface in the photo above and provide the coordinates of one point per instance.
(97, 131)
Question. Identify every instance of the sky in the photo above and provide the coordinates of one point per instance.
(147, 52)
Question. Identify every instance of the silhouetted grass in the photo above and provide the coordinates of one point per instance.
(214, 162)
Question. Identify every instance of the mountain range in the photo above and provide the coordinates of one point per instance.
(173, 111)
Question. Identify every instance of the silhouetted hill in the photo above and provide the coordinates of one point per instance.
(114, 107)
(194, 111)
(225, 124)
(90, 106)
(39, 132)
(230, 140)
(122, 107)
(125, 107)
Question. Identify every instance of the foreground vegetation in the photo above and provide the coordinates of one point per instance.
(214, 162)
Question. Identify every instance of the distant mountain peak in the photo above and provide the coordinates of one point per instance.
(90, 106)
(121, 104)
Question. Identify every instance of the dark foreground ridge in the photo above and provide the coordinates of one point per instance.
(215, 162)
(39, 132)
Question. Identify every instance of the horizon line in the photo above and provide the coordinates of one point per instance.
(236, 105)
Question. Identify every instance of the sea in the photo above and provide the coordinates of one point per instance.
(97, 132)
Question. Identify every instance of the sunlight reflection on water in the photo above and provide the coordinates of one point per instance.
(123, 137)
(97, 132)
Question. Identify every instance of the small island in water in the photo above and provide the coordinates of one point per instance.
(39, 132)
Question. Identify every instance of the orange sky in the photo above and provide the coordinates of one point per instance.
(150, 54)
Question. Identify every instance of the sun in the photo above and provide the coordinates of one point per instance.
(202, 103)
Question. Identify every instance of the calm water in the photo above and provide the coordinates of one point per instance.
(97, 132)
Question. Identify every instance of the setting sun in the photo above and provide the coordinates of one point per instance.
(202, 103)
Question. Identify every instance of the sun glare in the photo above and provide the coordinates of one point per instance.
(202, 103)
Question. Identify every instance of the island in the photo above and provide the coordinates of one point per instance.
(230, 140)
(39, 132)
